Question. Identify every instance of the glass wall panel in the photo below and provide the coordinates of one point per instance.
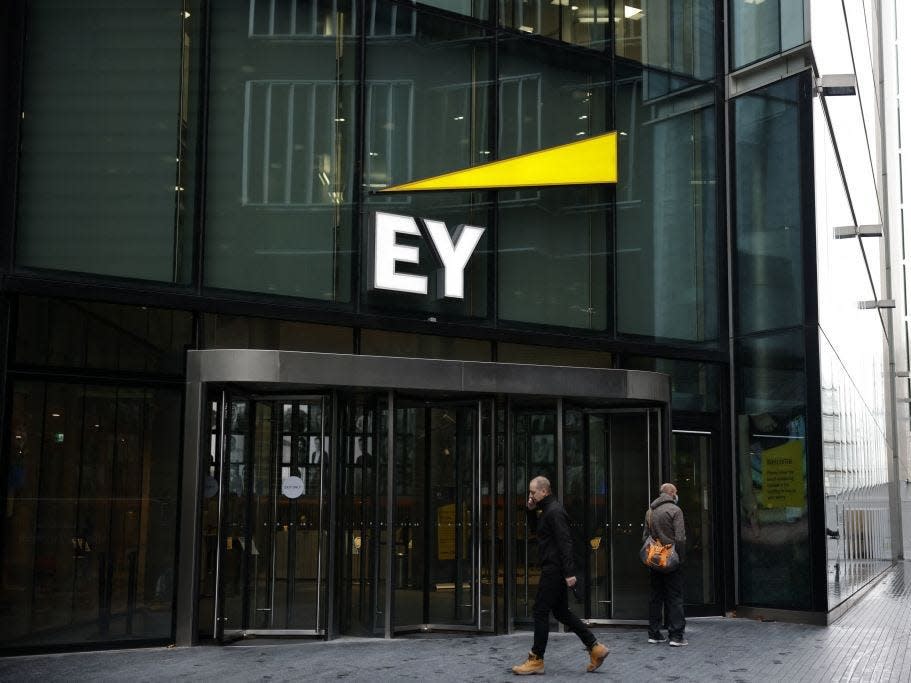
(760, 28)
(547, 355)
(281, 147)
(768, 173)
(91, 512)
(222, 331)
(103, 186)
(552, 243)
(472, 8)
(695, 387)
(86, 334)
(582, 22)
(856, 479)
(676, 36)
(406, 345)
(427, 105)
(771, 413)
(667, 244)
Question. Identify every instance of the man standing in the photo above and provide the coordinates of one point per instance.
(555, 552)
(664, 521)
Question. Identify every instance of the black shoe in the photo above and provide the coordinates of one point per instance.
(656, 638)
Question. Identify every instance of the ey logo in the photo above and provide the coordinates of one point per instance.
(585, 162)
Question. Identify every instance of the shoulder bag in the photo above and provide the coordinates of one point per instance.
(655, 554)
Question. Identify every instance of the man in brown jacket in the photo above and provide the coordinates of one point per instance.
(664, 521)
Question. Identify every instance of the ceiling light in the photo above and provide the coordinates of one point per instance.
(527, 29)
(631, 12)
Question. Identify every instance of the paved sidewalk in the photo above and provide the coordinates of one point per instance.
(872, 642)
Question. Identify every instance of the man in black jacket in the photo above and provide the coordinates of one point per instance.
(664, 521)
(547, 516)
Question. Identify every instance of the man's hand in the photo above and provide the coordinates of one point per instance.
(570, 581)
(530, 503)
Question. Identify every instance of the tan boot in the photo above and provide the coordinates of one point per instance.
(597, 654)
(533, 665)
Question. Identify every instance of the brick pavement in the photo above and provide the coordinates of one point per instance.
(870, 643)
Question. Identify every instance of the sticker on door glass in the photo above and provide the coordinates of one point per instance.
(292, 487)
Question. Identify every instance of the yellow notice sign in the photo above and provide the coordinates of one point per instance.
(782, 476)
(446, 532)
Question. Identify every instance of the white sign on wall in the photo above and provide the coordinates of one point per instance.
(451, 252)
(292, 487)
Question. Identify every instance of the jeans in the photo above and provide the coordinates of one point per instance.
(666, 592)
(553, 597)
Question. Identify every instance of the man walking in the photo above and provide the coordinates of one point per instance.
(555, 552)
(664, 521)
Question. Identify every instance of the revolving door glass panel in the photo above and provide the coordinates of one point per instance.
(441, 522)
(273, 541)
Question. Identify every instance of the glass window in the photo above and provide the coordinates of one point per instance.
(771, 412)
(91, 514)
(761, 29)
(581, 22)
(85, 334)
(695, 386)
(378, 343)
(547, 355)
(471, 8)
(427, 109)
(768, 163)
(667, 244)
(678, 36)
(237, 332)
(552, 243)
(281, 145)
(105, 130)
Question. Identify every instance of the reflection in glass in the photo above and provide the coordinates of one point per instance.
(667, 244)
(90, 518)
(760, 28)
(774, 550)
(281, 144)
(677, 36)
(105, 186)
(768, 251)
(856, 479)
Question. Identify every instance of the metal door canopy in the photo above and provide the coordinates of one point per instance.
(281, 370)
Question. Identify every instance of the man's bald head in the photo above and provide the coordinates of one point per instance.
(669, 489)
(541, 484)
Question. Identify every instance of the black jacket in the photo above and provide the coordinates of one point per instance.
(555, 544)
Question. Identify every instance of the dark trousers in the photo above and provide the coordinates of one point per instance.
(553, 596)
(666, 592)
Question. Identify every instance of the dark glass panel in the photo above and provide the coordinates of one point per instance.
(771, 414)
(667, 236)
(378, 343)
(691, 473)
(546, 355)
(105, 131)
(695, 386)
(89, 546)
(236, 332)
(768, 257)
(80, 334)
(281, 148)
